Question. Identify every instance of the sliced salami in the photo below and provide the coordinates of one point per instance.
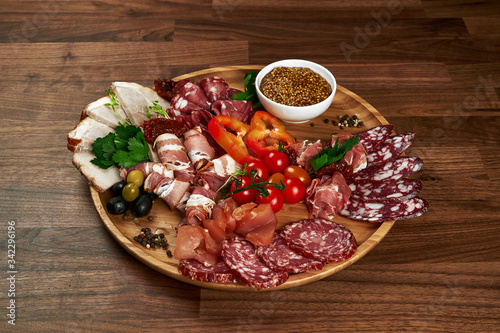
(320, 239)
(279, 257)
(373, 137)
(390, 149)
(396, 169)
(389, 190)
(239, 255)
(384, 211)
(218, 273)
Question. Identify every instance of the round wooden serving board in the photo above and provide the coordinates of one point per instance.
(162, 219)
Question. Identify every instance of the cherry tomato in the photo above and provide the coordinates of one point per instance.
(276, 178)
(261, 169)
(294, 190)
(275, 199)
(245, 196)
(293, 171)
(276, 161)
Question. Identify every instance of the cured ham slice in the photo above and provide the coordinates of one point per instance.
(85, 133)
(193, 93)
(217, 172)
(135, 100)
(152, 180)
(98, 110)
(173, 192)
(191, 244)
(181, 105)
(327, 196)
(172, 153)
(215, 88)
(356, 157)
(305, 151)
(241, 110)
(199, 205)
(101, 179)
(198, 149)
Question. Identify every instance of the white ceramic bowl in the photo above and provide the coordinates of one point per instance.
(296, 114)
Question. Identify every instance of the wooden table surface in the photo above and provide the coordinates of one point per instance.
(429, 67)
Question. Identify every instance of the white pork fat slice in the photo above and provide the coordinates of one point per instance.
(101, 111)
(85, 133)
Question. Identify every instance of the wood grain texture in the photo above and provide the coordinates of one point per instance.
(428, 66)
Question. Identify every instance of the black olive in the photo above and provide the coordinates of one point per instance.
(142, 205)
(118, 188)
(117, 205)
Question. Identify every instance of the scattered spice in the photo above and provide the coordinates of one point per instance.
(311, 124)
(295, 86)
(169, 253)
(150, 240)
(347, 121)
(326, 120)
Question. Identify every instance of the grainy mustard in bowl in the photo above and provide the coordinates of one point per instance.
(294, 90)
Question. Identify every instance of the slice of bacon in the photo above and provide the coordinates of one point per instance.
(198, 149)
(147, 168)
(215, 174)
(199, 205)
(174, 192)
(173, 154)
(327, 196)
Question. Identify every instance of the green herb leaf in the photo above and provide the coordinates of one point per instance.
(332, 155)
(158, 109)
(250, 92)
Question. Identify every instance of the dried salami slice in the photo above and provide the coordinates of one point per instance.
(384, 211)
(279, 257)
(320, 239)
(239, 255)
(389, 190)
(373, 137)
(390, 149)
(396, 169)
(218, 273)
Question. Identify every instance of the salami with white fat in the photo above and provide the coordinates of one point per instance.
(384, 211)
(389, 190)
(373, 137)
(320, 239)
(390, 149)
(279, 257)
(218, 273)
(239, 255)
(396, 169)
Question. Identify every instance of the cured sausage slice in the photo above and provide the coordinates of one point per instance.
(390, 190)
(279, 257)
(390, 149)
(396, 169)
(218, 273)
(239, 255)
(373, 137)
(320, 239)
(384, 211)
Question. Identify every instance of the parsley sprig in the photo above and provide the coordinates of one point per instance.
(157, 108)
(331, 155)
(126, 147)
(114, 103)
(250, 93)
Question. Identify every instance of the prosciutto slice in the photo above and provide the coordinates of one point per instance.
(198, 149)
(327, 196)
(356, 157)
(241, 110)
(305, 151)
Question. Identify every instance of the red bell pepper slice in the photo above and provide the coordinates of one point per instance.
(232, 144)
(256, 139)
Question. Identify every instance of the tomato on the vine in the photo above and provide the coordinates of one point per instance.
(276, 178)
(294, 190)
(276, 161)
(261, 168)
(245, 196)
(294, 171)
(275, 199)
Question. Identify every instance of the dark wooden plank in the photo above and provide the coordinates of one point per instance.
(461, 8)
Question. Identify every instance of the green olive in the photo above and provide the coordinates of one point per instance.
(130, 192)
(136, 177)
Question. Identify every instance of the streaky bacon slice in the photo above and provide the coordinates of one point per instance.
(327, 196)
(147, 168)
(174, 192)
(199, 205)
(172, 153)
(198, 149)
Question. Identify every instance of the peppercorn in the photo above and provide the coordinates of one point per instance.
(326, 120)
(169, 253)
(311, 124)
